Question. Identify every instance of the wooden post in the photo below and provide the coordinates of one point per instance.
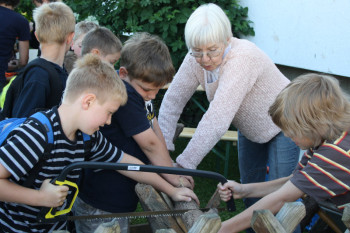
(190, 217)
(151, 200)
(290, 215)
(263, 221)
(346, 216)
(209, 222)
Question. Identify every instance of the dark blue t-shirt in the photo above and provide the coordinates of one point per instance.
(109, 190)
(13, 26)
(36, 91)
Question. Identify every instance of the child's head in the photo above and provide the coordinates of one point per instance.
(312, 107)
(80, 31)
(54, 22)
(146, 63)
(92, 75)
(104, 43)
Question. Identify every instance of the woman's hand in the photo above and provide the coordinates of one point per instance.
(52, 195)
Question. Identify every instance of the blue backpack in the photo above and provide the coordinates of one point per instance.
(7, 125)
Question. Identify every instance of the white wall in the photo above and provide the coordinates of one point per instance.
(307, 34)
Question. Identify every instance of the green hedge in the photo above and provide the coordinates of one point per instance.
(165, 18)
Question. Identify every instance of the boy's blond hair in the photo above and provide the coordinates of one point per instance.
(146, 57)
(54, 22)
(102, 39)
(83, 27)
(91, 74)
(312, 106)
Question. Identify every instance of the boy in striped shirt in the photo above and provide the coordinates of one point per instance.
(315, 113)
(93, 93)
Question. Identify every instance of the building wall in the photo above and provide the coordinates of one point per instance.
(303, 36)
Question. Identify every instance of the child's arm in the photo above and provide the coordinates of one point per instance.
(49, 195)
(250, 190)
(158, 131)
(177, 194)
(158, 154)
(274, 202)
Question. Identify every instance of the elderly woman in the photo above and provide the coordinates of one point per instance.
(241, 82)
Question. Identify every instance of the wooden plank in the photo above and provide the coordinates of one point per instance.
(290, 215)
(263, 221)
(230, 135)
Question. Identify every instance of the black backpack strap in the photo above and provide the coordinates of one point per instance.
(56, 87)
(44, 121)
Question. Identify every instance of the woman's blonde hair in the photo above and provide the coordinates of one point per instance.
(312, 106)
(207, 24)
(93, 75)
(54, 22)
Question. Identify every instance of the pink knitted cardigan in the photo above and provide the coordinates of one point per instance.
(248, 84)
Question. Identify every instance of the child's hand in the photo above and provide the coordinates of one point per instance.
(230, 187)
(53, 195)
(184, 194)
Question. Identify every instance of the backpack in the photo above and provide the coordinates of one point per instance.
(16, 86)
(7, 125)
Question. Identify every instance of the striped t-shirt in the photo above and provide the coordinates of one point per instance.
(20, 154)
(323, 173)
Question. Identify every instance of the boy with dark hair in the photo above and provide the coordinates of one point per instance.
(55, 30)
(13, 26)
(315, 113)
(93, 93)
(145, 67)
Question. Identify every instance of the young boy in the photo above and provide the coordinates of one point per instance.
(314, 112)
(104, 43)
(81, 29)
(145, 66)
(93, 93)
(55, 30)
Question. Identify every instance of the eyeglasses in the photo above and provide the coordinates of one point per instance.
(210, 54)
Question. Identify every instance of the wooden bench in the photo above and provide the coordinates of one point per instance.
(230, 138)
